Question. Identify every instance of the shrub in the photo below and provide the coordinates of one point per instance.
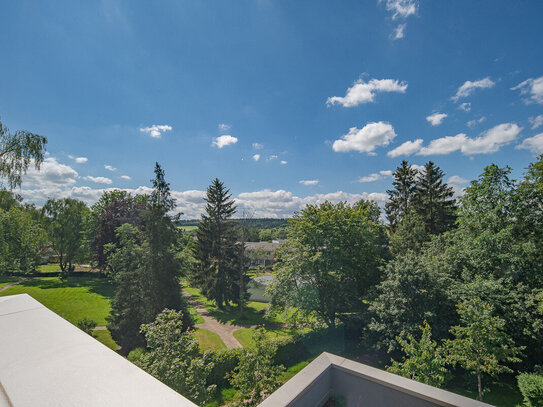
(531, 387)
(224, 362)
(86, 325)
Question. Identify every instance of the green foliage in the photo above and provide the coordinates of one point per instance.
(66, 220)
(266, 235)
(531, 387)
(480, 344)
(256, 376)
(22, 240)
(331, 249)
(217, 271)
(401, 197)
(174, 357)
(17, 152)
(224, 363)
(410, 234)
(87, 325)
(424, 360)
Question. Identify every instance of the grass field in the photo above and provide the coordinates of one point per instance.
(188, 228)
(253, 314)
(6, 280)
(209, 340)
(245, 335)
(48, 268)
(73, 299)
(105, 337)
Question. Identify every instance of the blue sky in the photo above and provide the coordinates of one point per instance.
(320, 91)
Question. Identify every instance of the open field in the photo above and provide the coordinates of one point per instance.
(73, 299)
(209, 340)
(245, 335)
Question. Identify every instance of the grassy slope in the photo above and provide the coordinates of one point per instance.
(209, 340)
(245, 335)
(73, 299)
(105, 337)
(6, 280)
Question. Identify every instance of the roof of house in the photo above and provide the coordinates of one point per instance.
(46, 361)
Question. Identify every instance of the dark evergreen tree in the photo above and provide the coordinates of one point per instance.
(216, 250)
(434, 201)
(401, 197)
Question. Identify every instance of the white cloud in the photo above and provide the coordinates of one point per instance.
(370, 178)
(399, 32)
(444, 145)
(272, 157)
(224, 127)
(51, 174)
(309, 182)
(407, 148)
(126, 177)
(366, 139)
(536, 121)
(364, 92)
(155, 131)
(488, 142)
(99, 180)
(469, 87)
(258, 146)
(435, 119)
(109, 167)
(417, 167)
(455, 179)
(223, 141)
(472, 123)
(466, 106)
(534, 144)
(386, 173)
(256, 157)
(533, 87)
(283, 162)
(401, 8)
(81, 160)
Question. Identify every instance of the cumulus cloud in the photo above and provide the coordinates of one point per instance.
(534, 144)
(366, 139)
(272, 157)
(126, 177)
(401, 8)
(256, 157)
(258, 146)
(109, 167)
(536, 121)
(488, 142)
(375, 176)
(283, 162)
(224, 127)
(533, 88)
(435, 119)
(364, 92)
(155, 131)
(79, 160)
(51, 174)
(469, 87)
(466, 106)
(472, 123)
(309, 182)
(407, 148)
(99, 180)
(223, 141)
(455, 179)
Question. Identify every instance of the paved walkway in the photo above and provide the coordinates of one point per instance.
(12, 284)
(224, 330)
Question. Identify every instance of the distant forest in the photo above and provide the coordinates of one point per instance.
(257, 223)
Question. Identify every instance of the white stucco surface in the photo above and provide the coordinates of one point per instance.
(46, 361)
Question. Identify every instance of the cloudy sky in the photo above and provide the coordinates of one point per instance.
(287, 102)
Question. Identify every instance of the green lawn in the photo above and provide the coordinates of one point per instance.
(6, 280)
(48, 268)
(209, 340)
(73, 299)
(105, 337)
(245, 335)
(252, 315)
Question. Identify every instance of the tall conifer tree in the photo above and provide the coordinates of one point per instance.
(216, 252)
(434, 200)
(401, 197)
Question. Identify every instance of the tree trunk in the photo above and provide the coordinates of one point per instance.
(479, 385)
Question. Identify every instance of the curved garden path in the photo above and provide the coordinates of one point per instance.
(12, 284)
(224, 330)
